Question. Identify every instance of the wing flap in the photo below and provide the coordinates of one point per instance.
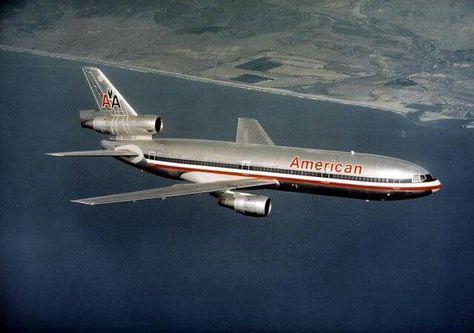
(94, 153)
(250, 131)
(177, 190)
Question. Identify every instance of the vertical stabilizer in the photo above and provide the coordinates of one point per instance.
(108, 98)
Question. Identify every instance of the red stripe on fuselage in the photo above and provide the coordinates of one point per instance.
(301, 181)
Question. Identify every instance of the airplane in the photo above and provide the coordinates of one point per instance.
(223, 169)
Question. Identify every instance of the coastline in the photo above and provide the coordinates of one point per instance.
(404, 111)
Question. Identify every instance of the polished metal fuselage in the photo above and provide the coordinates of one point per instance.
(378, 178)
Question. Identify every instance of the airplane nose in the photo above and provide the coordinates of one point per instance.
(437, 186)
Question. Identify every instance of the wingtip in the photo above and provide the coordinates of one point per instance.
(54, 154)
(83, 202)
(245, 118)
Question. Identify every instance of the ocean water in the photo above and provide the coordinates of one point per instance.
(186, 264)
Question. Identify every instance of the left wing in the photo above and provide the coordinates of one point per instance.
(95, 153)
(178, 190)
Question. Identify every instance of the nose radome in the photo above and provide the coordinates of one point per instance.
(437, 186)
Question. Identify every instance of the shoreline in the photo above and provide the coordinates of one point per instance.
(403, 111)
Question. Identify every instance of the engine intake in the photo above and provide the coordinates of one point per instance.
(121, 125)
(246, 204)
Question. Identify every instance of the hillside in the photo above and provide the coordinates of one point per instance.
(412, 56)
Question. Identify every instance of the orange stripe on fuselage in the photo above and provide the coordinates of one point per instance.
(301, 181)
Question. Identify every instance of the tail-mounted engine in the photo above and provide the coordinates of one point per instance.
(246, 204)
(122, 126)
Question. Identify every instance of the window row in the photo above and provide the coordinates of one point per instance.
(281, 171)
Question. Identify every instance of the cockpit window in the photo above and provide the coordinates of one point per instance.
(422, 178)
(428, 178)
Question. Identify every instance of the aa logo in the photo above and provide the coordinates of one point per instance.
(106, 104)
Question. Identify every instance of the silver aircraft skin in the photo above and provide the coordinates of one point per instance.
(252, 161)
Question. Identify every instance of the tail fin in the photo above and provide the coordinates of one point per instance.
(249, 131)
(108, 98)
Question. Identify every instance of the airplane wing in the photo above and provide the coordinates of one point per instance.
(250, 131)
(95, 153)
(177, 190)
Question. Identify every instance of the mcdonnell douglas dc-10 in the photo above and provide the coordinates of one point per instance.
(253, 161)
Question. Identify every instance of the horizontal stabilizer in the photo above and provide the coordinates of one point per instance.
(249, 131)
(95, 153)
(177, 190)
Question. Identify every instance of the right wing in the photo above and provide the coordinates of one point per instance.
(95, 153)
(250, 131)
(177, 190)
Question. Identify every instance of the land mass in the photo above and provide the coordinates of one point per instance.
(414, 58)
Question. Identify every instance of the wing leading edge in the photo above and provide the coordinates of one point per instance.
(177, 190)
(95, 153)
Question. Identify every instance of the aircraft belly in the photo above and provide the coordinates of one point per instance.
(354, 193)
(164, 172)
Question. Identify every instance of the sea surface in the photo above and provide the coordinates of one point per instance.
(182, 264)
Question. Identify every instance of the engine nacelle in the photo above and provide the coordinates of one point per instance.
(246, 204)
(121, 125)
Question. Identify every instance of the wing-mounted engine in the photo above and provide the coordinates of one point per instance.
(123, 127)
(246, 204)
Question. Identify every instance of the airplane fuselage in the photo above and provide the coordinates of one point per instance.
(343, 174)
(223, 169)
